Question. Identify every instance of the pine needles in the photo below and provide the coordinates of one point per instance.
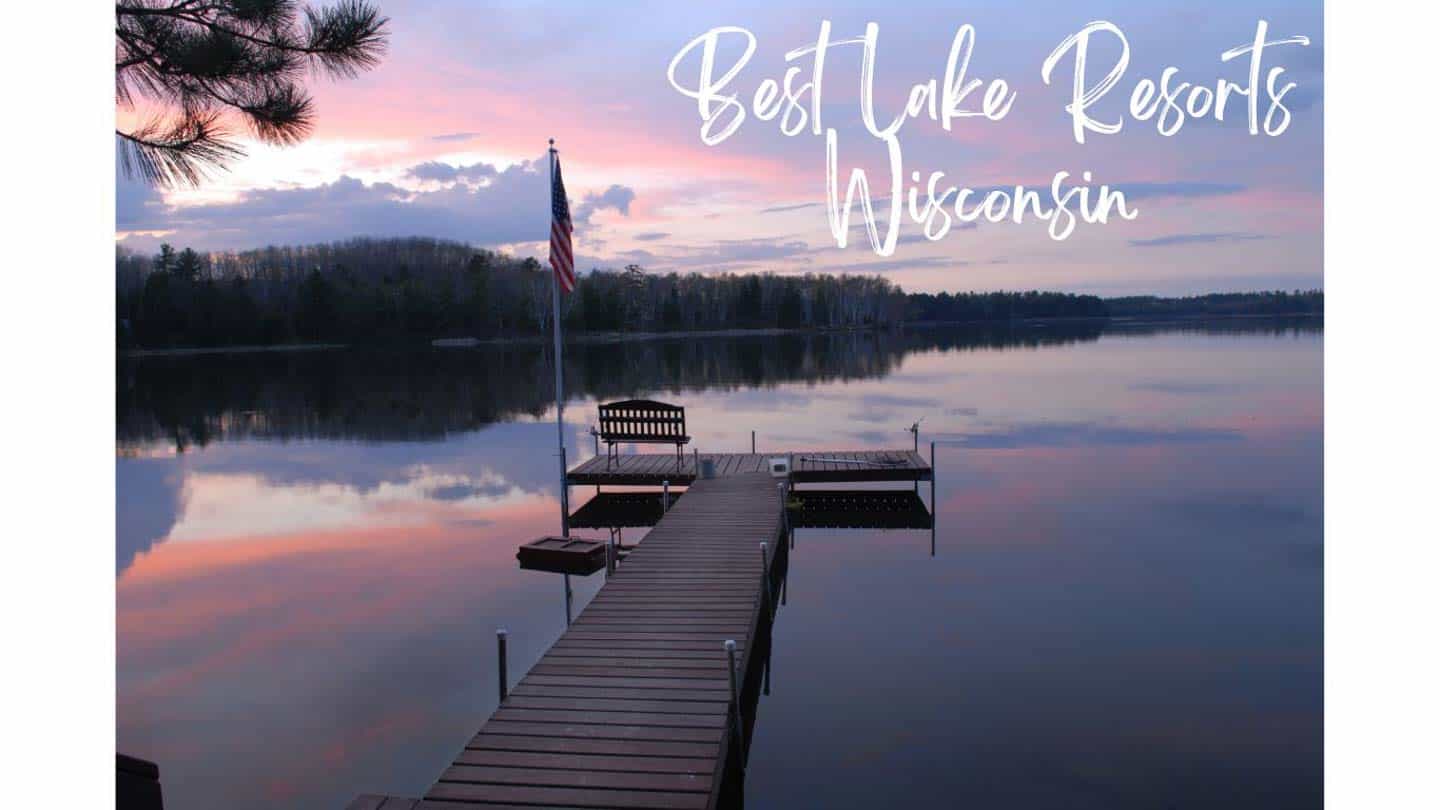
(207, 62)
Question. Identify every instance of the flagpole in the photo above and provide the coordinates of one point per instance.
(559, 383)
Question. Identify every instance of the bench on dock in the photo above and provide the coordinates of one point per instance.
(642, 421)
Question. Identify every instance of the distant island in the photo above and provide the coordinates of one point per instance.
(365, 291)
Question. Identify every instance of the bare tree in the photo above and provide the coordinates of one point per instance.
(202, 63)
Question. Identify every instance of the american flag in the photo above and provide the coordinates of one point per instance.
(562, 252)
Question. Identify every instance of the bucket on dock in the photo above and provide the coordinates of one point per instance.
(707, 468)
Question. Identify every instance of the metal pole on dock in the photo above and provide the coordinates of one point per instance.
(568, 596)
(559, 376)
(596, 435)
(915, 434)
(665, 496)
(739, 724)
(785, 512)
(500, 636)
(933, 510)
(752, 442)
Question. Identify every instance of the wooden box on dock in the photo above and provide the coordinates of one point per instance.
(562, 555)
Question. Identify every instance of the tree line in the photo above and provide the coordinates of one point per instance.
(418, 289)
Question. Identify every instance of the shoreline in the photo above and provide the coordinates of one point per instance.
(623, 337)
(190, 351)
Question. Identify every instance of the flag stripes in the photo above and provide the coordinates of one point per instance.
(562, 250)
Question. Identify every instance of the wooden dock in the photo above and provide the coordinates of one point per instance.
(827, 466)
(631, 706)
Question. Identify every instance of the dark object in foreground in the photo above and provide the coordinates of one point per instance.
(562, 555)
(137, 784)
(642, 421)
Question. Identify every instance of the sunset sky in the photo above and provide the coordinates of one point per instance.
(446, 138)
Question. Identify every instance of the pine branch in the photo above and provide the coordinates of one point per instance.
(283, 114)
(182, 152)
(205, 58)
(345, 38)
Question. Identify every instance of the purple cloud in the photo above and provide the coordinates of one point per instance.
(1196, 239)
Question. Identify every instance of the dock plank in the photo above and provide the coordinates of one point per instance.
(634, 764)
(576, 797)
(613, 780)
(585, 746)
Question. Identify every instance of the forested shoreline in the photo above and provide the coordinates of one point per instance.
(419, 289)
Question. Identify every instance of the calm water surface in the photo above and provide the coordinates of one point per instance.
(1124, 609)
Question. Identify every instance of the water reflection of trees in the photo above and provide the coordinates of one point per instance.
(427, 394)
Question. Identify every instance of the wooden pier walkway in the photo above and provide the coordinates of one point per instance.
(630, 707)
(651, 469)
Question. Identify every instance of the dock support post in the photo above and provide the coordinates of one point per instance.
(769, 648)
(765, 572)
(568, 595)
(933, 510)
(665, 496)
(752, 442)
(739, 724)
(784, 489)
(696, 471)
(564, 494)
(500, 636)
(915, 434)
(784, 511)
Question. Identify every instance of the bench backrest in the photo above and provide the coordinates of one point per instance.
(642, 419)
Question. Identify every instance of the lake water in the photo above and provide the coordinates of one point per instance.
(1124, 608)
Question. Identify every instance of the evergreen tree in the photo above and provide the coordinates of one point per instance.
(188, 265)
(165, 260)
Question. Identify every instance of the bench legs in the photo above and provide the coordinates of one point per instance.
(612, 456)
